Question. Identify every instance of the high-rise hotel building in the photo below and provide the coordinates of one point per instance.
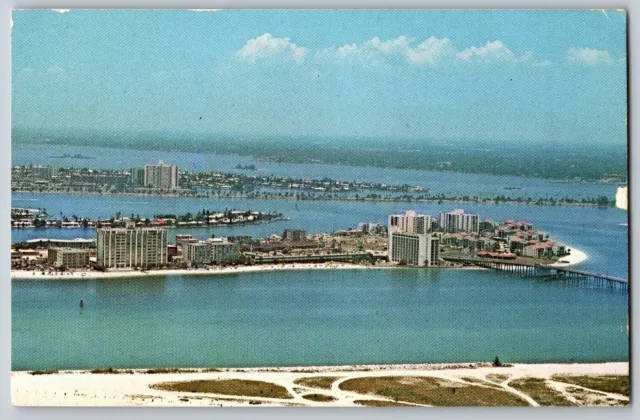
(409, 241)
(410, 222)
(161, 175)
(459, 221)
(132, 247)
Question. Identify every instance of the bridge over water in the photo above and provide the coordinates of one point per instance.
(547, 272)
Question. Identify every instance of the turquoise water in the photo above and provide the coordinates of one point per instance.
(313, 318)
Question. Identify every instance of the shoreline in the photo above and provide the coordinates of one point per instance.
(133, 388)
(87, 275)
(487, 200)
(91, 275)
(575, 257)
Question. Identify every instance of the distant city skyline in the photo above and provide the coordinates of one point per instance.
(556, 76)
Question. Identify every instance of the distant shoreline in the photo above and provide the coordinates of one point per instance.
(332, 198)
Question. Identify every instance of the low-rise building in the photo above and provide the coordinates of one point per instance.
(216, 250)
(68, 257)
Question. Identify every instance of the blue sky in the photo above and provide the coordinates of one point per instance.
(554, 76)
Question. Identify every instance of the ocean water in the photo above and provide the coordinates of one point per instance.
(313, 318)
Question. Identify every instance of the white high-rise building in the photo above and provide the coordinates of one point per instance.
(409, 241)
(131, 247)
(410, 222)
(161, 175)
(459, 221)
(414, 249)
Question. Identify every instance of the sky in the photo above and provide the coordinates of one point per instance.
(550, 76)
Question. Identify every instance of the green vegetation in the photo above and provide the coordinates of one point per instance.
(319, 397)
(166, 370)
(322, 382)
(541, 392)
(618, 384)
(111, 370)
(227, 387)
(496, 362)
(43, 372)
(380, 403)
(432, 391)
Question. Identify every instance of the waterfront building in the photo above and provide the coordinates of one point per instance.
(197, 253)
(68, 257)
(161, 175)
(459, 221)
(215, 250)
(410, 222)
(44, 172)
(137, 176)
(131, 247)
(414, 249)
(294, 235)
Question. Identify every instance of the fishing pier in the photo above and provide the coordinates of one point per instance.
(547, 272)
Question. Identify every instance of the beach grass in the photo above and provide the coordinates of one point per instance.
(237, 387)
(111, 370)
(322, 382)
(43, 372)
(380, 403)
(432, 391)
(617, 384)
(319, 397)
(497, 377)
(167, 370)
(541, 392)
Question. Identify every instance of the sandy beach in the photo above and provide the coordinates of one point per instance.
(79, 275)
(575, 257)
(82, 388)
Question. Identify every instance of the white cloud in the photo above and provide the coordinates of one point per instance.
(431, 51)
(61, 10)
(588, 56)
(376, 51)
(204, 10)
(267, 46)
(491, 52)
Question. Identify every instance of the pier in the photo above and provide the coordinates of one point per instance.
(547, 272)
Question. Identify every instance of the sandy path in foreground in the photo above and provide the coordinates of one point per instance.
(80, 388)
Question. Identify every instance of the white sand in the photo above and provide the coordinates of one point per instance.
(575, 257)
(80, 388)
(80, 274)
